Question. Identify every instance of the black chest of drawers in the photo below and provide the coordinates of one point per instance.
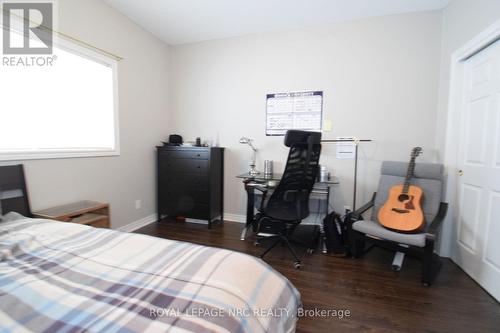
(190, 182)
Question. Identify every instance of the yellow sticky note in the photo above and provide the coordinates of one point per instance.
(327, 126)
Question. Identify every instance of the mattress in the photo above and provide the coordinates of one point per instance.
(66, 277)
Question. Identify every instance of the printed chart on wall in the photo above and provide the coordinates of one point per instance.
(296, 110)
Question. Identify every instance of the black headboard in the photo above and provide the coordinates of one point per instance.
(13, 192)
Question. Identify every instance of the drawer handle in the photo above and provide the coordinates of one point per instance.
(198, 166)
(198, 155)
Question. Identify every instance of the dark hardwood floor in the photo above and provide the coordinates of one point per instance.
(379, 299)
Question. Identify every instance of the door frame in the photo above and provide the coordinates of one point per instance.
(454, 113)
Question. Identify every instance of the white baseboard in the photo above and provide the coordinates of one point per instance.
(139, 223)
(235, 218)
(153, 218)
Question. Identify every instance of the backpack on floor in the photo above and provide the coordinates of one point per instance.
(335, 235)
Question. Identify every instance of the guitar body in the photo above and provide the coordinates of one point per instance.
(403, 211)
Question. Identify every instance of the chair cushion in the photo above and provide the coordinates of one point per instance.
(422, 170)
(374, 229)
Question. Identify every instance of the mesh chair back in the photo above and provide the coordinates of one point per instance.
(290, 199)
(427, 176)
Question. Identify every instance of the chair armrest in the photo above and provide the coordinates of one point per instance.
(438, 220)
(357, 213)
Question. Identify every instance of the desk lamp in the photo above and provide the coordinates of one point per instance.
(248, 141)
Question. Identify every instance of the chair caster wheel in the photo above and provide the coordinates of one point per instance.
(256, 243)
(426, 284)
(296, 265)
(310, 251)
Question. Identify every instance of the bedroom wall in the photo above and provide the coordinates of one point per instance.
(462, 21)
(144, 122)
(380, 81)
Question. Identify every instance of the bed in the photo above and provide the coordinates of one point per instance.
(66, 277)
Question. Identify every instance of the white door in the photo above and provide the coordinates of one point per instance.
(478, 229)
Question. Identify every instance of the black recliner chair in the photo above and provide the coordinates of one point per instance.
(288, 205)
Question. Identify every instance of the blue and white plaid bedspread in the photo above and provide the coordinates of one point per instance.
(63, 277)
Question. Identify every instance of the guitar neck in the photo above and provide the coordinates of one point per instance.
(409, 174)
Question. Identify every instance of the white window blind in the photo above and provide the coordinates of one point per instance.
(69, 109)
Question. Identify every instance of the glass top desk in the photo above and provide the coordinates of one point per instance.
(320, 189)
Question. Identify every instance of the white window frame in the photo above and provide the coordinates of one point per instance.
(86, 52)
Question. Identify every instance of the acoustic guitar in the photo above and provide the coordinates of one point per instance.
(402, 211)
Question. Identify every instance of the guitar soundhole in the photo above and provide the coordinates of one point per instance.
(403, 197)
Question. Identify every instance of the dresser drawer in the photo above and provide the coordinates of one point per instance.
(175, 193)
(185, 154)
(187, 181)
(184, 165)
(187, 207)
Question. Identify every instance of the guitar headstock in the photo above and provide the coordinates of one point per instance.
(416, 151)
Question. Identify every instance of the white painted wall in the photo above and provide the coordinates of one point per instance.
(380, 81)
(376, 73)
(143, 100)
(462, 21)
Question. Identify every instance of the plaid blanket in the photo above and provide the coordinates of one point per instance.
(64, 277)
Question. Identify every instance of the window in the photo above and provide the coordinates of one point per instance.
(67, 109)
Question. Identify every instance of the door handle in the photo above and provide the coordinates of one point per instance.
(460, 173)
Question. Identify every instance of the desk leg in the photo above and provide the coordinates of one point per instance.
(250, 210)
(322, 227)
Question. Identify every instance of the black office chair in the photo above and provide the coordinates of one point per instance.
(288, 205)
